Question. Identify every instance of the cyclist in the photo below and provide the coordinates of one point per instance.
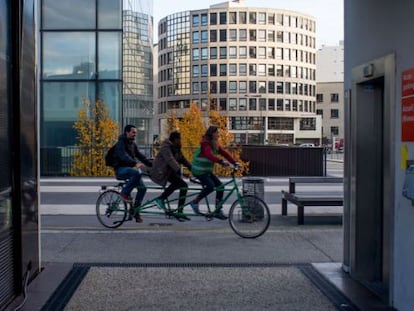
(128, 162)
(166, 168)
(202, 168)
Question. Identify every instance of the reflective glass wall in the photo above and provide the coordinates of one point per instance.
(81, 59)
(138, 68)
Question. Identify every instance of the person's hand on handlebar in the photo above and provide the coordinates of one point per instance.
(224, 163)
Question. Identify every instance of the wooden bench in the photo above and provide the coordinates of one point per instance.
(320, 198)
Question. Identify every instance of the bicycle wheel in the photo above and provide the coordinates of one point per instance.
(249, 217)
(111, 210)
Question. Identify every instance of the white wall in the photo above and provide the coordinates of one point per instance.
(375, 28)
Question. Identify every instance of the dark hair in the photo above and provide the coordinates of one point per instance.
(175, 135)
(128, 128)
(210, 131)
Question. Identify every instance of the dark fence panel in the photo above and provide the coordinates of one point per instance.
(264, 160)
(284, 161)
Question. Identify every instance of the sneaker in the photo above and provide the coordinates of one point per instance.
(195, 208)
(219, 214)
(125, 197)
(138, 218)
(180, 216)
(160, 203)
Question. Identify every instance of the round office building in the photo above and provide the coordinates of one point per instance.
(255, 65)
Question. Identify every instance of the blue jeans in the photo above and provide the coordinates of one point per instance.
(134, 181)
(209, 181)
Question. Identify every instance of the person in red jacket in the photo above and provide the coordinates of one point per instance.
(202, 167)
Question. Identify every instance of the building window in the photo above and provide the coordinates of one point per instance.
(275, 123)
(242, 51)
(242, 69)
(204, 70)
(242, 34)
(334, 130)
(279, 87)
(334, 97)
(196, 71)
(271, 104)
(319, 98)
(195, 88)
(213, 35)
(232, 69)
(252, 35)
(252, 69)
(223, 52)
(319, 112)
(262, 18)
(243, 87)
(307, 124)
(196, 54)
(223, 70)
(223, 18)
(262, 70)
(233, 52)
(213, 53)
(203, 19)
(223, 87)
(252, 17)
(213, 87)
(279, 104)
(196, 20)
(242, 18)
(252, 104)
(223, 104)
(233, 34)
(334, 113)
(204, 36)
(262, 35)
(223, 35)
(232, 104)
(213, 18)
(262, 87)
(271, 87)
(271, 35)
(204, 53)
(242, 104)
(252, 87)
(213, 70)
(232, 18)
(232, 86)
(196, 37)
(252, 52)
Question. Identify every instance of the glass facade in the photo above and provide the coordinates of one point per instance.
(103, 51)
(81, 59)
(138, 72)
(247, 59)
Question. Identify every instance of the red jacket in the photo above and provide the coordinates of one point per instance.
(207, 152)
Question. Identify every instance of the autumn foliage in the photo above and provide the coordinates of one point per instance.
(96, 133)
(192, 127)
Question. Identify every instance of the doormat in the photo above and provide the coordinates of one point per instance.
(192, 286)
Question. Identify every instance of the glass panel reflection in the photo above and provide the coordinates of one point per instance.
(68, 55)
(110, 92)
(73, 14)
(109, 55)
(109, 14)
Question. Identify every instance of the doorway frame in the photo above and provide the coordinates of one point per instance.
(383, 67)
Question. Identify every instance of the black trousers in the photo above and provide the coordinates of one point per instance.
(176, 182)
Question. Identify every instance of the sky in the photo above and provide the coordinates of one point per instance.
(328, 13)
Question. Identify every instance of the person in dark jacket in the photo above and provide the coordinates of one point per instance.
(128, 164)
(202, 167)
(166, 168)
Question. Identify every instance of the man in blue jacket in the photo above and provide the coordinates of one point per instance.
(127, 164)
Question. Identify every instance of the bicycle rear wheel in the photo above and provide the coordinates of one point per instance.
(249, 217)
(111, 210)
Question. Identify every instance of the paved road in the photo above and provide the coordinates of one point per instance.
(71, 232)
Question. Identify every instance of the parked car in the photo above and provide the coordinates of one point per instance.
(307, 145)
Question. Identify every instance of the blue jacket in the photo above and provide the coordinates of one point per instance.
(127, 154)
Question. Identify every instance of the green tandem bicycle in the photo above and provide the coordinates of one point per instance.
(248, 216)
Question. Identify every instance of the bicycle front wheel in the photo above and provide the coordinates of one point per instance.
(111, 210)
(249, 217)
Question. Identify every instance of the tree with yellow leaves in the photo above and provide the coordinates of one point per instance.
(193, 127)
(96, 133)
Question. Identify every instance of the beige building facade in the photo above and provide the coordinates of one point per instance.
(255, 65)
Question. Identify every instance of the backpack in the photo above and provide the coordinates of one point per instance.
(110, 157)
